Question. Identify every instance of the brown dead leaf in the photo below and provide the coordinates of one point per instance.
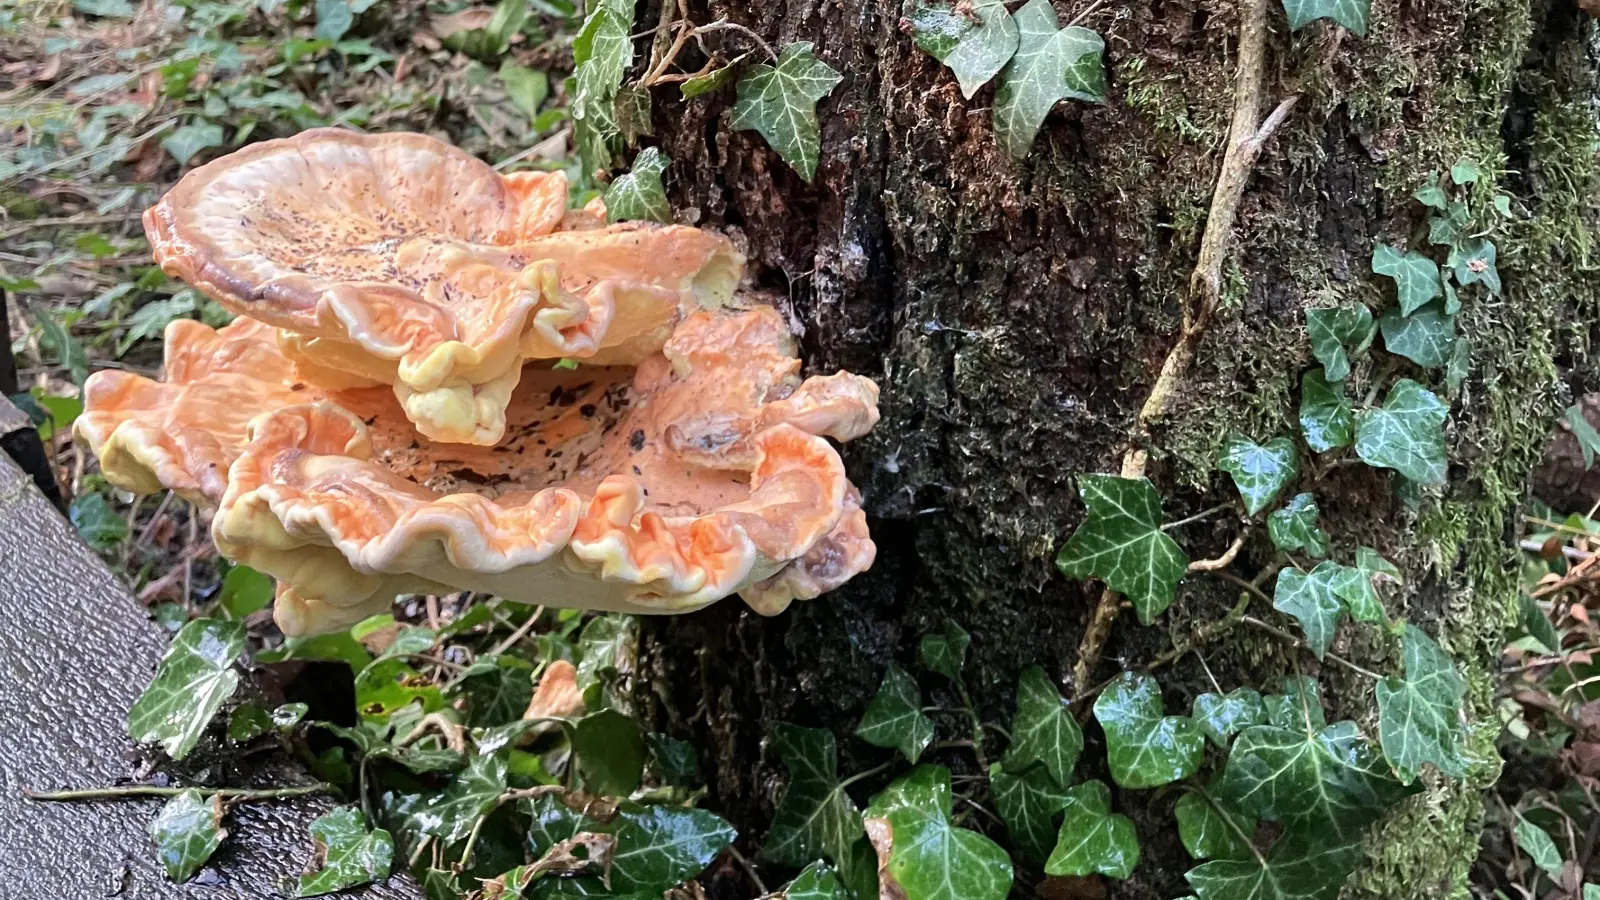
(465, 20)
(380, 639)
(1579, 612)
(881, 834)
(565, 859)
(558, 696)
(1583, 757)
(426, 40)
(1592, 7)
(1550, 550)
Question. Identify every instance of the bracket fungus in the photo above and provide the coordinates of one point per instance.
(383, 417)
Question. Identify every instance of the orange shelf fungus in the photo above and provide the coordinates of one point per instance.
(386, 284)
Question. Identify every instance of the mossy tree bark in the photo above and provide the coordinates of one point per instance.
(1016, 314)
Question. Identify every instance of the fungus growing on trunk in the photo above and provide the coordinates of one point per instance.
(686, 460)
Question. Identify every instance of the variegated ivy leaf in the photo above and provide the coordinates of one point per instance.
(348, 853)
(1474, 264)
(1259, 471)
(1424, 337)
(976, 45)
(1122, 544)
(1294, 527)
(1352, 14)
(780, 103)
(1447, 227)
(1205, 829)
(1355, 586)
(1043, 730)
(1416, 277)
(639, 195)
(894, 717)
(1336, 333)
(815, 818)
(1330, 782)
(1432, 195)
(186, 832)
(1325, 416)
(1297, 705)
(601, 53)
(194, 679)
(1050, 64)
(1093, 839)
(945, 653)
(1311, 600)
(1536, 842)
(1145, 748)
(1221, 716)
(450, 814)
(815, 882)
(1373, 563)
(928, 856)
(1405, 434)
(1419, 716)
(1298, 867)
(1028, 804)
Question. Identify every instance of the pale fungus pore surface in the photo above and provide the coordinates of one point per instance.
(399, 260)
(683, 460)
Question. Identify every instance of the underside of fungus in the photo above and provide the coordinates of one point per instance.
(682, 461)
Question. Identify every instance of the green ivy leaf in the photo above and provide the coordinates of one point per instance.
(1297, 705)
(1329, 782)
(1260, 472)
(1144, 748)
(450, 814)
(194, 679)
(1311, 600)
(1405, 434)
(1432, 195)
(1352, 14)
(244, 591)
(1043, 730)
(1419, 716)
(185, 142)
(97, 523)
(1121, 543)
(815, 818)
(1446, 229)
(815, 882)
(1588, 439)
(1455, 371)
(1353, 585)
(1298, 867)
(1094, 840)
(1050, 64)
(1424, 337)
(498, 696)
(639, 195)
(1536, 842)
(186, 832)
(1538, 625)
(415, 757)
(1474, 263)
(975, 47)
(1294, 527)
(68, 350)
(1203, 828)
(675, 761)
(1221, 716)
(388, 686)
(601, 53)
(945, 653)
(610, 751)
(1464, 172)
(1416, 277)
(527, 88)
(247, 722)
(1325, 416)
(1336, 333)
(894, 717)
(928, 857)
(780, 102)
(705, 84)
(347, 853)
(1028, 803)
(660, 847)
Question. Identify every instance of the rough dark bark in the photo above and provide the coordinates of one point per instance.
(1016, 314)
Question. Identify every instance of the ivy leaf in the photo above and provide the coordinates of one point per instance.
(1447, 228)
(414, 757)
(1331, 781)
(1538, 625)
(1028, 803)
(815, 882)
(1144, 748)
(815, 818)
(1424, 337)
(388, 686)
(190, 139)
(675, 761)
(1294, 527)
(526, 88)
(1464, 172)
(1221, 716)
(1050, 64)
(705, 84)
(1298, 867)
(1297, 705)
(498, 696)
(1536, 842)
(1474, 264)
(894, 717)
(1588, 439)
(661, 846)
(927, 856)
(97, 523)
(1353, 585)
(1416, 277)
(1043, 730)
(610, 751)
(450, 814)
(1310, 598)
(1455, 371)
(975, 47)
(946, 653)
(244, 591)
(1122, 544)
(1094, 840)
(1432, 195)
(1336, 332)
(605, 646)
(639, 195)
(347, 853)
(780, 102)
(1352, 14)
(601, 53)
(1204, 830)
(1325, 416)
(1405, 434)
(1260, 472)
(186, 832)
(1419, 716)
(1370, 561)
(193, 681)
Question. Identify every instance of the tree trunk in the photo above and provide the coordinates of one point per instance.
(1017, 313)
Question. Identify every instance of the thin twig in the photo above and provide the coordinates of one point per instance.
(1221, 562)
(1279, 633)
(128, 792)
(749, 869)
(1203, 514)
(517, 635)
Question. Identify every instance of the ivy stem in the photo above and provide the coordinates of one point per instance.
(1279, 633)
(241, 795)
(861, 776)
(1232, 825)
(977, 724)
(1204, 514)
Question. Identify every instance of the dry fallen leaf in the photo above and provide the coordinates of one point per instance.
(465, 20)
(558, 696)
